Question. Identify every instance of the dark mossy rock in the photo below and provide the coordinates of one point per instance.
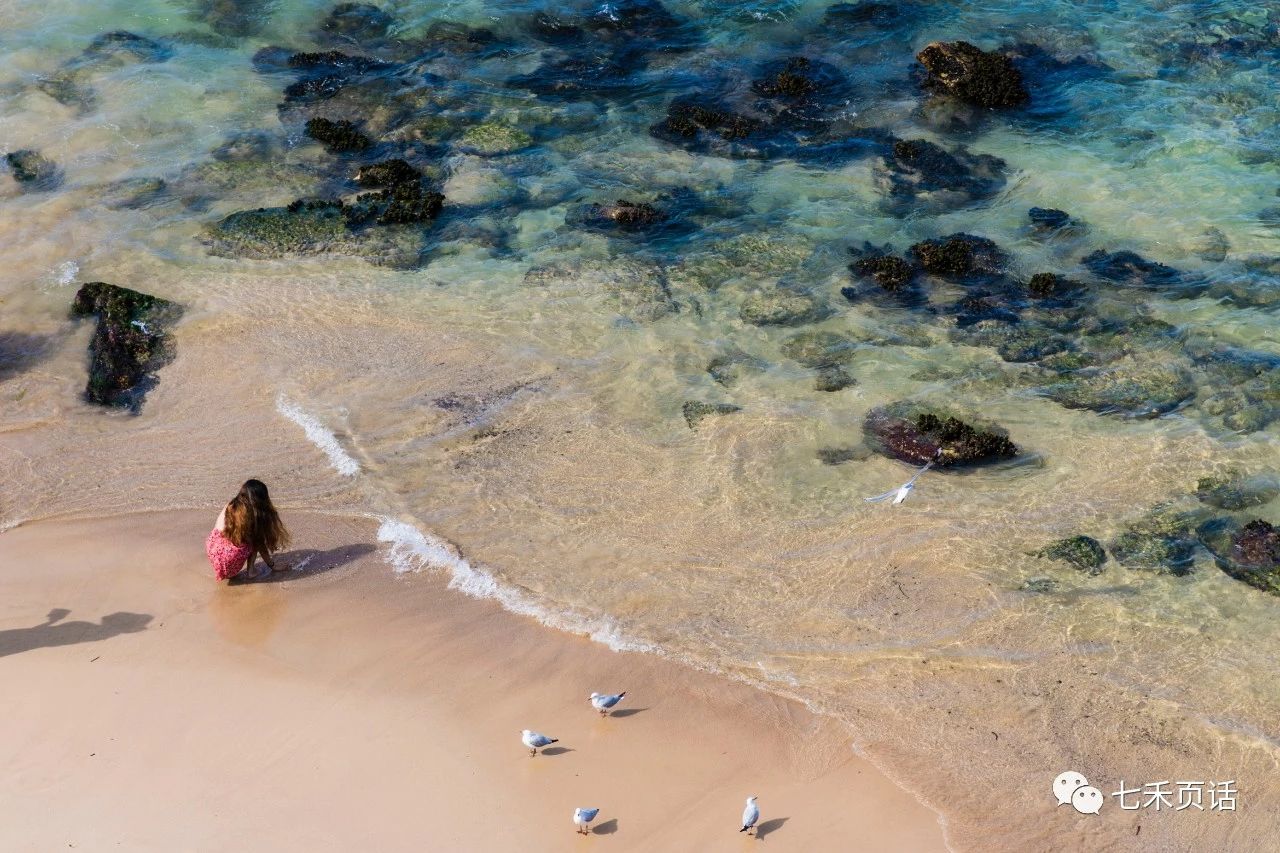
(1047, 285)
(959, 256)
(1048, 217)
(130, 341)
(792, 80)
(337, 137)
(388, 173)
(706, 126)
(695, 412)
(551, 29)
(917, 433)
(841, 455)
(1144, 390)
(1019, 342)
(833, 377)
(803, 92)
(892, 273)
(642, 25)
(729, 368)
(983, 78)
(621, 215)
(1234, 492)
(402, 204)
(1130, 268)
(819, 349)
(578, 77)
(1254, 556)
(783, 306)
(917, 170)
(869, 13)
(33, 170)
(1082, 552)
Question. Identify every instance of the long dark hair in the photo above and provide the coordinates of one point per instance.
(252, 520)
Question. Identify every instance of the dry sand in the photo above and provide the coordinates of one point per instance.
(347, 708)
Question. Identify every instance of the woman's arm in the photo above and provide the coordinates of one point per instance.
(221, 524)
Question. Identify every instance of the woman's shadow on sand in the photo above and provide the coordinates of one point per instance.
(54, 632)
(309, 562)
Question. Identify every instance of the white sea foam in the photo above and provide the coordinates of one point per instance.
(412, 550)
(320, 436)
(66, 272)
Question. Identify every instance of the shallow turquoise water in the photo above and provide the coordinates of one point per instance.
(534, 418)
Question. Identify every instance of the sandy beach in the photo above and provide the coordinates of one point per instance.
(345, 707)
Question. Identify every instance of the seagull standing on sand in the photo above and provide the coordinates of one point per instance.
(602, 702)
(582, 817)
(750, 815)
(533, 740)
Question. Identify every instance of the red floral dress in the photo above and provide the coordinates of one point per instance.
(226, 557)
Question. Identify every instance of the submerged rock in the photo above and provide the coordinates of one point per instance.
(917, 433)
(1132, 390)
(916, 170)
(783, 307)
(33, 170)
(1082, 552)
(961, 70)
(638, 287)
(1164, 542)
(959, 256)
(621, 215)
(337, 137)
(820, 349)
(1047, 285)
(892, 273)
(1234, 492)
(833, 377)
(1211, 245)
(1250, 553)
(1048, 218)
(234, 18)
(731, 367)
(841, 455)
(695, 412)
(130, 341)
(492, 139)
(355, 23)
(1130, 268)
(705, 126)
(69, 84)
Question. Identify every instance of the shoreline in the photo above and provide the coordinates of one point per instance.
(348, 690)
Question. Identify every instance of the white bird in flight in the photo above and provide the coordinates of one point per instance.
(602, 702)
(750, 815)
(582, 817)
(533, 740)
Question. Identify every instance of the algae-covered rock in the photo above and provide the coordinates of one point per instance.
(833, 377)
(890, 272)
(32, 170)
(130, 341)
(1136, 390)
(917, 172)
(919, 433)
(1082, 552)
(695, 412)
(959, 256)
(704, 125)
(841, 455)
(1248, 553)
(1234, 492)
(492, 139)
(639, 288)
(729, 368)
(1130, 268)
(983, 78)
(337, 137)
(1163, 541)
(783, 307)
(819, 349)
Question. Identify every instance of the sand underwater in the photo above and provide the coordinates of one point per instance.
(616, 313)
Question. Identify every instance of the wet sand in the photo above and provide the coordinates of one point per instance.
(346, 707)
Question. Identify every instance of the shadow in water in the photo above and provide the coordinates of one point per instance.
(627, 712)
(313, 562)
(20, 350)
(54, 632)
(609, 827)
(770, 826)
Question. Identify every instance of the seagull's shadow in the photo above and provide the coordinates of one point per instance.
(609, 827)
(770, 826)
(627, 712)
(556, 750)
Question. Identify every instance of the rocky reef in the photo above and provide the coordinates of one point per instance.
(983, 78)
(130, 342)
(919, 433)
(916, 174)
(33, 171)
